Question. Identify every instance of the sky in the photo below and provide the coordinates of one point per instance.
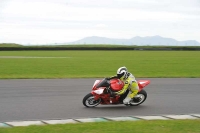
(58, 21)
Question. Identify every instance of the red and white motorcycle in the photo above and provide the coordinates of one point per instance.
(102, 93)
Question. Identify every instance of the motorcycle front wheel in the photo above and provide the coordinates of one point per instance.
(89, 101)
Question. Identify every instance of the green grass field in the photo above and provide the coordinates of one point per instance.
(161, 126)
(88, 64)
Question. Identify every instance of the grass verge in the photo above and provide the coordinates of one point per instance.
(90, 64)
(154, 126)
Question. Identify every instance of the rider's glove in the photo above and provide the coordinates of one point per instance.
(113, 94)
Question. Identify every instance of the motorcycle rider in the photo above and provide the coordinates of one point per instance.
(130, 84)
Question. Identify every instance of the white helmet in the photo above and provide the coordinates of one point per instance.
(122, 73)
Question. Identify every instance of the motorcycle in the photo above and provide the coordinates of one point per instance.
(102, 93)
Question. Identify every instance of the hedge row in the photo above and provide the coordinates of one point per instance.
(98, 48)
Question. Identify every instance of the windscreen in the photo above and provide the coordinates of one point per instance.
(103, 83)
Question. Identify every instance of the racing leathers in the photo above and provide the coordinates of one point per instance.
(130, 84)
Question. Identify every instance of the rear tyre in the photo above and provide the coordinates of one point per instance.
(88, 101)
(139, 98)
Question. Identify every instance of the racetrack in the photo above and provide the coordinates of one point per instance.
(36, 99)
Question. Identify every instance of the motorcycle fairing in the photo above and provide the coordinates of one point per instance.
(142, 84)
(99, 91)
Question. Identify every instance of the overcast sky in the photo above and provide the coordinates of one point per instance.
(57, 21)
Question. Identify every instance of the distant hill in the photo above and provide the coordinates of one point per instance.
(149, 40)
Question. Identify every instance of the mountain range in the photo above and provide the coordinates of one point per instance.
(141, 41)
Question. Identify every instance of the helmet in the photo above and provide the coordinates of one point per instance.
(122, 73)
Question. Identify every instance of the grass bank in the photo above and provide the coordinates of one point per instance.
(88, 64)
(160, 126)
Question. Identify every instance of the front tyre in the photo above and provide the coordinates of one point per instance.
(139, 98)
(88, 101)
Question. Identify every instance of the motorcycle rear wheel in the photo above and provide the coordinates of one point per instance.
(139, 98)
(88, 101)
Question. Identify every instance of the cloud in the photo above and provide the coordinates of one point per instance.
(70, 13)
(42, 21)
(100, 26)
(3, 5)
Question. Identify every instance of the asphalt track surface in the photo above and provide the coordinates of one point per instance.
(45, 99)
